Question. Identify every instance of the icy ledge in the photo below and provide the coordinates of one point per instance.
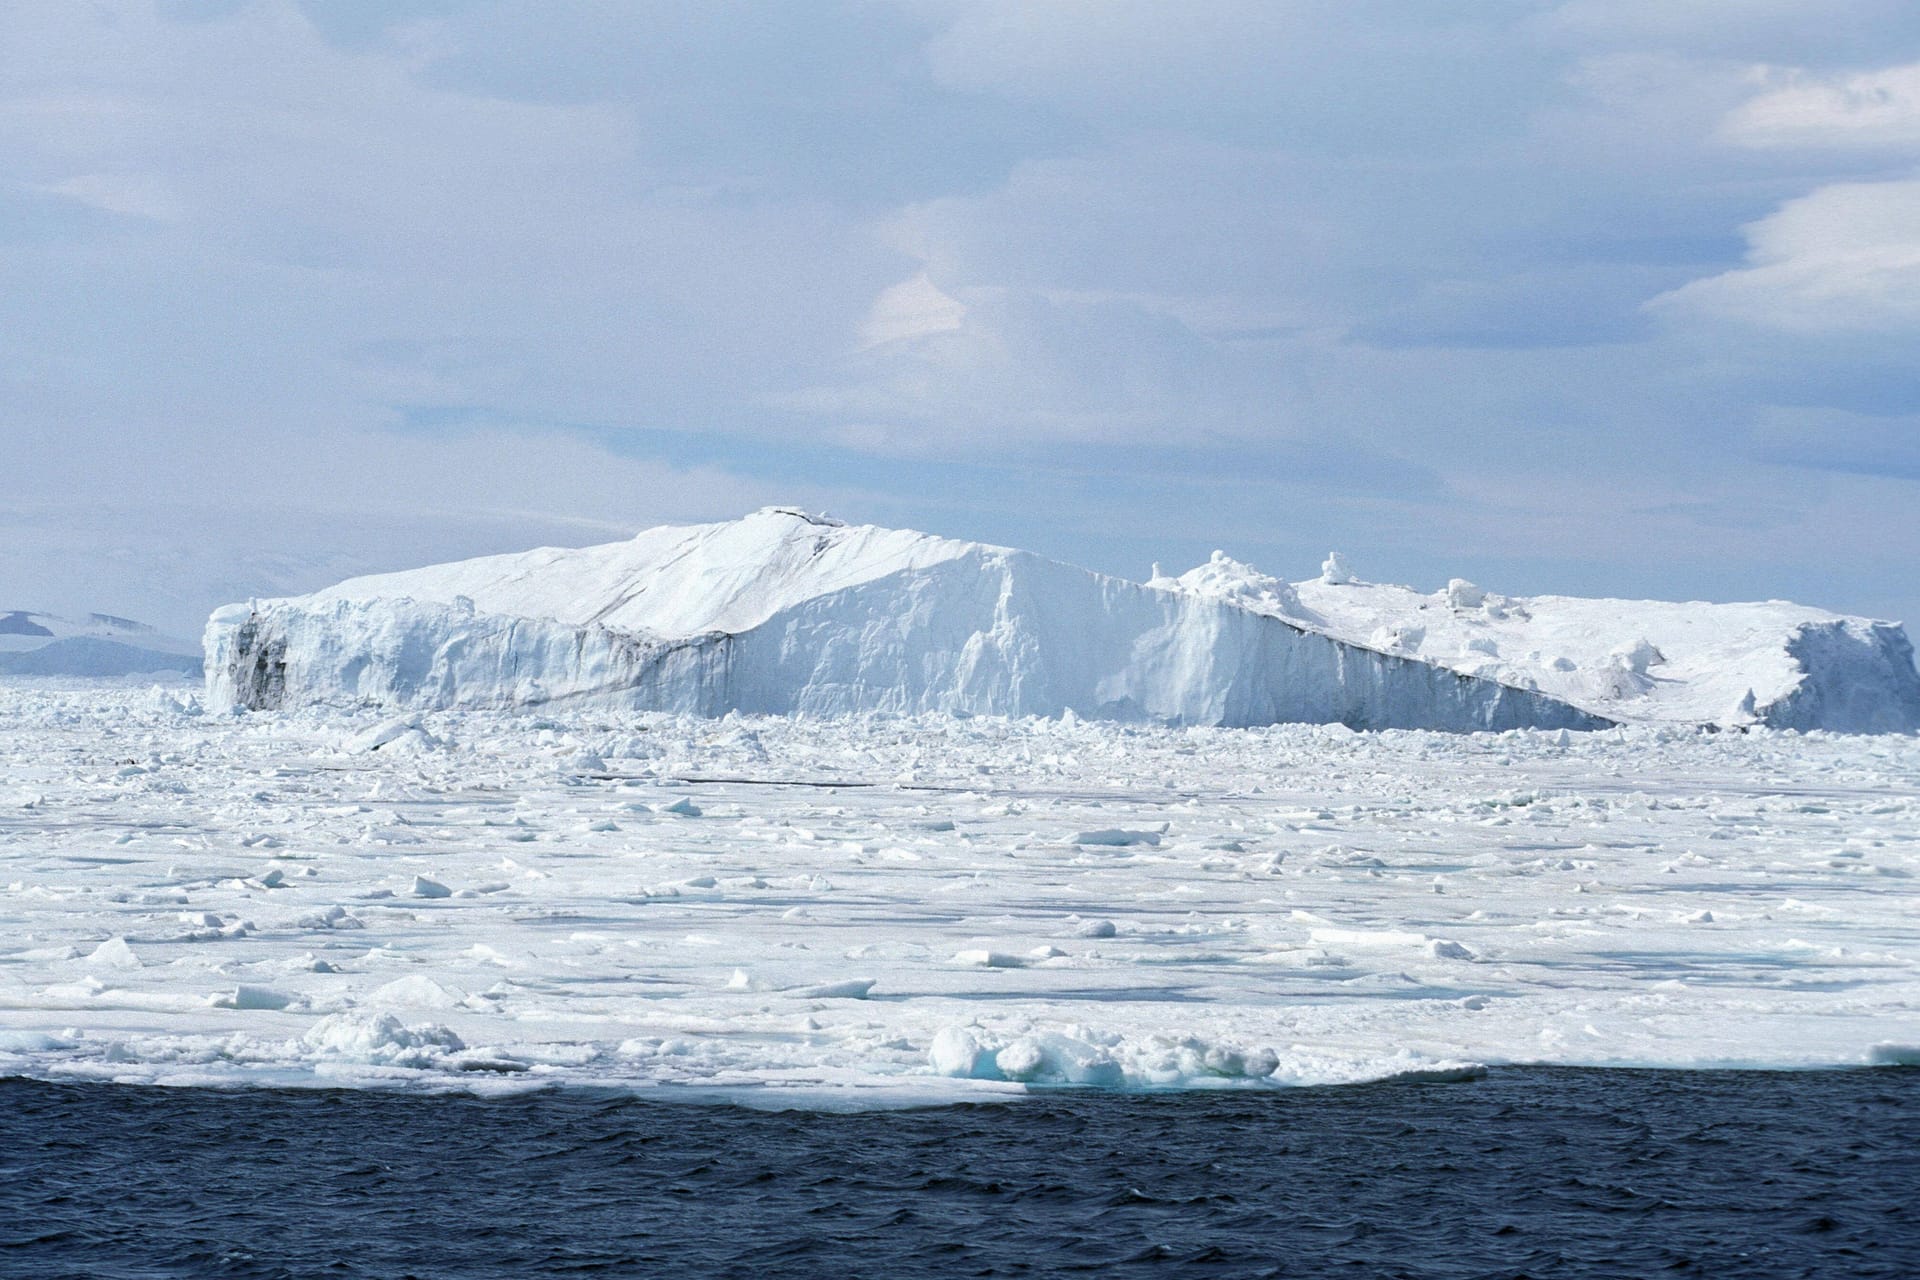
(786, 613)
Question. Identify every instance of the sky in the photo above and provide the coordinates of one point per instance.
(1586, 296)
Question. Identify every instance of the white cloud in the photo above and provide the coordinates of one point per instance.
(1025, 367)
(1843, 259)
(914, 308)
(1166, 248)
(1860, 109)
(310, 238)
(130, 194)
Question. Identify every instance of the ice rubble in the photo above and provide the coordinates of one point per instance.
(933, 907)
(788, 613)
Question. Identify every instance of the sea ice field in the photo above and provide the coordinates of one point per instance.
(870, 911)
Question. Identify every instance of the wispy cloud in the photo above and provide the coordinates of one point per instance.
(1797, 108)
(1844, 258)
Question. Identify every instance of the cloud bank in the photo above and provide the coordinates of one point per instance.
(1559, 295)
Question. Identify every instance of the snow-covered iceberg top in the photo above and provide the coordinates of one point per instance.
(783, 612)
(1775, 663)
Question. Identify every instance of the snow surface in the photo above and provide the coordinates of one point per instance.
(874, 909)
(786, 613)
(1774, 663)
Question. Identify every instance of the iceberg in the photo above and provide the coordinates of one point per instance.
(788, 613)
(1781, 665)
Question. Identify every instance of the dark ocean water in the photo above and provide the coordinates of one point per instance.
(1544, 1173)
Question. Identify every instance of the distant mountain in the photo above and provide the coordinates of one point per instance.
(96, 644)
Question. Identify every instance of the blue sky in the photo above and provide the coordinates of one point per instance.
(1596, 296)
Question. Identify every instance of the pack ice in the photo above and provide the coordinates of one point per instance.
(788, 613)
(877, 910)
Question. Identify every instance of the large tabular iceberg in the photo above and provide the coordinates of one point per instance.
(786, 613)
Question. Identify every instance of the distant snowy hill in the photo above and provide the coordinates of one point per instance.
(785, 613)
(99, 644)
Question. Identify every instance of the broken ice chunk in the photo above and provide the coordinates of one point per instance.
(247, 996)
(989, 959)
(851, 989)
(1118, 837)
(425, 888)
(114, 953)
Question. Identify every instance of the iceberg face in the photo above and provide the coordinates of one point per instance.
(1781, 665)
(1859, 677)
(999, 632)
(783, 613)
(421, 655)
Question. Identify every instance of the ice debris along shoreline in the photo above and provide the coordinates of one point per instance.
(785, 613)
(871, 910)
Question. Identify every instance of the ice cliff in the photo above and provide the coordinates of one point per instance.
(787, 613)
